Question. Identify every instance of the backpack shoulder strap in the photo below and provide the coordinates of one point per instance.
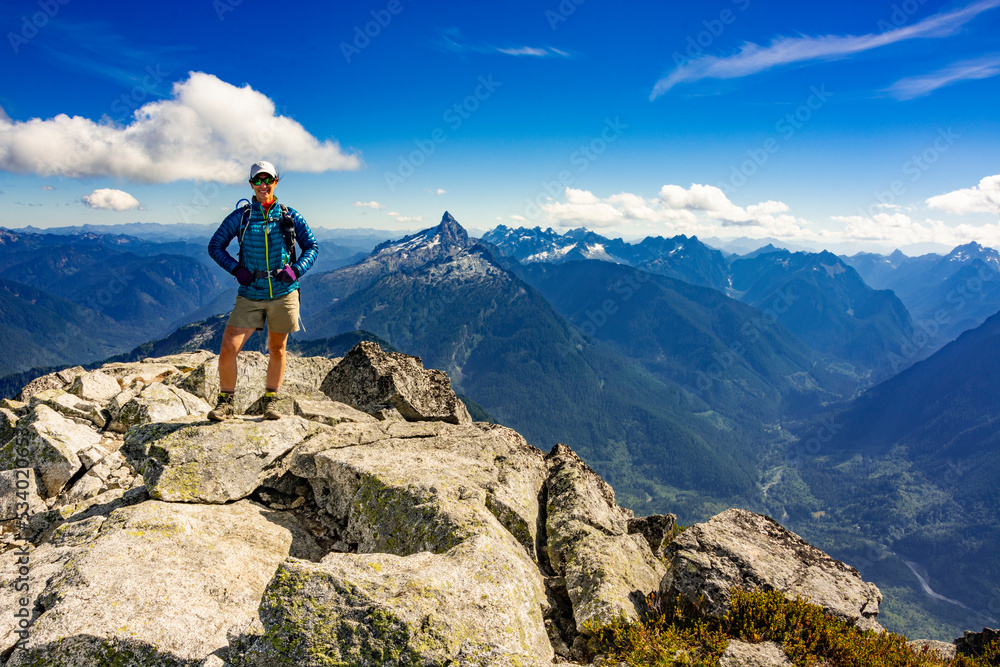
(244, 223)
(288, 230)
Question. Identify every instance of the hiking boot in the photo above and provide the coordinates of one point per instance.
(224, 409)
(269, 406)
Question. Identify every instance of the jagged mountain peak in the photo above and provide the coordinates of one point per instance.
(446, 238)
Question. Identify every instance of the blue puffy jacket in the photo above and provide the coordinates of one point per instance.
(264, 249)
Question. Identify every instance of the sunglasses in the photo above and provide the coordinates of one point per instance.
(266, 180)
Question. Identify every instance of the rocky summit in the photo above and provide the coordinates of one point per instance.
(374, 524)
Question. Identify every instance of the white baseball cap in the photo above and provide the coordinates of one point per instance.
(265, 167)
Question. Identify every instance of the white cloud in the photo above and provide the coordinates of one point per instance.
(369, 204)
(982, 198)
(900, 229)
(410, 218)
(111, 200)
(918, 86)
(392, 214)
(439, 191)
(753, 58)
(700, 209)
(518, 218)
(210, 130)
(48, 187)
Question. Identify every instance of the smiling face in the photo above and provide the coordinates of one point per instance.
(263, 185)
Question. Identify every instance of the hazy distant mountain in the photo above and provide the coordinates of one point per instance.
(945, 295)
(826, 303)
(716, 347)
(40, 329)
(435, 295)
(679, 257)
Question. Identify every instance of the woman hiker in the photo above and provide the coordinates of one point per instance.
(268, 273)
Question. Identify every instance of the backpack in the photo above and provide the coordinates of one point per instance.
(286, 225)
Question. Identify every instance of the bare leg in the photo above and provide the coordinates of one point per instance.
(233, 339)
(275, 360)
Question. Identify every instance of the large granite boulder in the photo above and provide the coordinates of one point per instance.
(607, 571)
(744, 550)
(152, 584)
(407, 487)
(51, 444)
(443, 521)
(193, 460)
(375, 381)
(479, 603)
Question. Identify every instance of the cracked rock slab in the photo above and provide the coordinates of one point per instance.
(403, 488)
(479, 603)
(152, 584)
(744, 550)
(193, 460)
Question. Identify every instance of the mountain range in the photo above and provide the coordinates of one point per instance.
(816, 296)
(690, 379)
(945, 295)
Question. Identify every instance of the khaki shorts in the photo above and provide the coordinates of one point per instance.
(281, 314)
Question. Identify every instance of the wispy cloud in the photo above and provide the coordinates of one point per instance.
(95, 48)
(451, 39)
(368, 204)
(753, 58)
(967, 70)
(438, 192)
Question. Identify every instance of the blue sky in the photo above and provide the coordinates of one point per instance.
(838, 124)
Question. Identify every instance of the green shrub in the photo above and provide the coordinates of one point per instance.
(672, 633)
